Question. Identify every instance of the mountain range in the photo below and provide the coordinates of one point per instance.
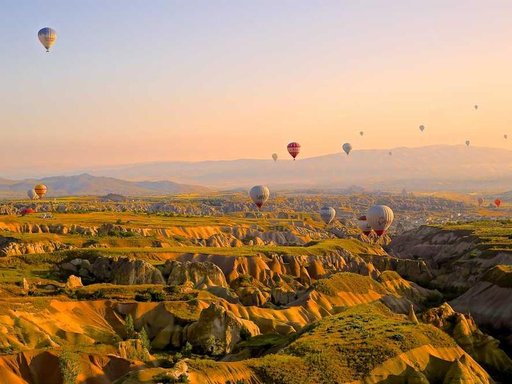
(85, 184)
(431, 168)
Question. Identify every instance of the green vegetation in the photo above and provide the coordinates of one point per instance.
(347, 346)
(69, 364)
(347, 282)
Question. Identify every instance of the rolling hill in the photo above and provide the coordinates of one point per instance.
(85, 184)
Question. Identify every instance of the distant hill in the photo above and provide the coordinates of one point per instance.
(85, 184)
(432, 168)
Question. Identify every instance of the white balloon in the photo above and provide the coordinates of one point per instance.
(259, 195)
(380, 218)
(327, 214)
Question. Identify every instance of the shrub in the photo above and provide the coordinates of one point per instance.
(244, 333)
(129, 327)
(144, 339)
(142, 296)
(187, 349)
(69, 365)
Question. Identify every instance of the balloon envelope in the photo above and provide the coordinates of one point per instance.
(274, 156)
(40, 190)
(380, 218)
(467, 143)
(259, 195)
(47, 37)
(293, 149)
(347, 147)
(480, 201)
(505, 136)
(422, 128)
(26, 211)
(361, 133)
(363, 225)
(32, 195)
(497, 202)
(327, 214)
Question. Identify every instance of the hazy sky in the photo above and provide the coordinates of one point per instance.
(132, 81)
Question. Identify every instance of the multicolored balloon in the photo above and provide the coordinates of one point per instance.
(380, 218)
(293, 149)
(259, 195)
(47, 37)
(327, 214)
(40, 190)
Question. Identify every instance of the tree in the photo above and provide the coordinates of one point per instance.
(129, 327)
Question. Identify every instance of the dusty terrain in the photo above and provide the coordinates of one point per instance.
(205, 290)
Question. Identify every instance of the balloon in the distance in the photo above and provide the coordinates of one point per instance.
(363, 225)
(347, 147)
(327, 214)
(467, 143)
(422, 128)
(380, 218)
(274, 156)
(497, 202)
(390, 153)
(41, 190)
(480, 201)
(293, 149)
(505, 136)
(259, 194)
(47, 37)
(32, 195)
(475, 106)
(361, 133)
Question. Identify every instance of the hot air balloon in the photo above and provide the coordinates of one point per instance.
(47, 37)
(259, 195)
(361, 133)
(422, 128)
(467, 143)
(476, 106)
(293, 149)
(380, 218)
(40, 190)
(363, 225)
(327, 214)
(505, 136)
(26, 211)
(32, 195)
(274, 156)
(480, 201)
(390, 153)
(497, 202)
(347, 147)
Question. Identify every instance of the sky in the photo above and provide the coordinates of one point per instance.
(142, 81)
